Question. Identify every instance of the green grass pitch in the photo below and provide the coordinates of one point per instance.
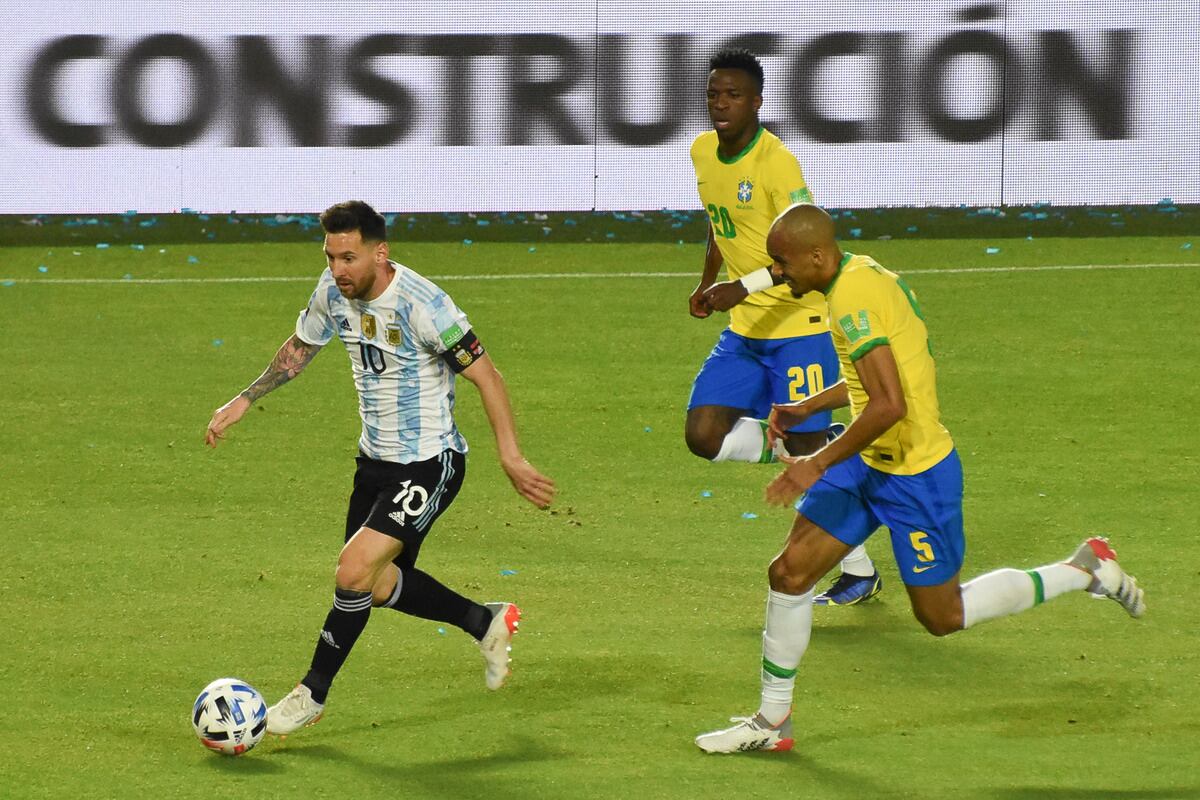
(138, 566)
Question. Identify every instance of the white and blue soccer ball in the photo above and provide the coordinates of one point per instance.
(229, 716)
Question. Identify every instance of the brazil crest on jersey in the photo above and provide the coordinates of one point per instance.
(871, 306)
(405, 388)
(742, 196)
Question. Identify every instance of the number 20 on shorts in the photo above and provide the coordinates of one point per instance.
(805, 381)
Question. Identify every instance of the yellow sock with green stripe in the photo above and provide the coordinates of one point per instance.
(785, 638)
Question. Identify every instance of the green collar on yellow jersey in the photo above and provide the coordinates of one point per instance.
(746, 149)
(846, 256)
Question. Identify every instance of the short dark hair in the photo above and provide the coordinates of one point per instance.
(355, 215)
(738, 58)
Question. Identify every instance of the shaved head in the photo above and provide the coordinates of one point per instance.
(803, 248)
(805, 225)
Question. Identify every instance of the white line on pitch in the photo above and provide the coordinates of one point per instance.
(577, 275)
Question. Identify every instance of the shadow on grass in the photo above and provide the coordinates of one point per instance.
(249, 764)
(473, 776)
(1060, 793)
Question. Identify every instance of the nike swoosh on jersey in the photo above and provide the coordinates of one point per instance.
(919, 570)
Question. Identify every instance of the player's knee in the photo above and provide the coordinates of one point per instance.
(786, 579)
(941, 622)
(354, 574)
(703, 440)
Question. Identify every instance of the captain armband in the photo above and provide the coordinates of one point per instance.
(465, 352)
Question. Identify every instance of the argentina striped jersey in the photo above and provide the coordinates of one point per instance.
(405, 389)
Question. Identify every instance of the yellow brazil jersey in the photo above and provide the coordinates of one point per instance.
(871, 306)
(742, 196)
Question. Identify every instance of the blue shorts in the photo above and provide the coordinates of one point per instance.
(923, 513)
(753, 373)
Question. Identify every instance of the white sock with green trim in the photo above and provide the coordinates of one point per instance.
(785, 638)
(1011, 591)
(858, 563)
(746, 441)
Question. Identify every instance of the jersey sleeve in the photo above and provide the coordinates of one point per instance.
(787, 180)
(315, 323)
(439, 324)
(857, 313)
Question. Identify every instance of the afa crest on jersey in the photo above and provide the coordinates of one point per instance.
(745, 190)
(392, 334)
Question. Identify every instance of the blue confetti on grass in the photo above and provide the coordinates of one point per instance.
(441, 630)
(706, 493)
(43, 268)
(126, 277)
(508, 572)
(102, 245)
(8, 283)
(1185, 246)
(856, 232)
(749, 515)
(193, 260)
(218, 342)
(468, 242)
(647, 429)
(482, 223)
(533, 249)
(991, 251)
(138, 247)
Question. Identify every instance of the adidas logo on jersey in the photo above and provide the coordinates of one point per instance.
(344, 325)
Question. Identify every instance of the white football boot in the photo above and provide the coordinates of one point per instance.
(496, 644)
(1099, 560)
(750, 733)
(293, 712)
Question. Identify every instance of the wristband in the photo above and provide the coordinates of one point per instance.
(758, 280)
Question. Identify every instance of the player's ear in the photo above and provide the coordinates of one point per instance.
(757, 102)
(381, 252)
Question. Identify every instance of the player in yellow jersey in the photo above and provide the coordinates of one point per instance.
(895, 466)
(777, 347)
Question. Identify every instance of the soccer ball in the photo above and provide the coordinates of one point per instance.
(229, 716)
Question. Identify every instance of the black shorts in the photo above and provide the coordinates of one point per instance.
(403, 500)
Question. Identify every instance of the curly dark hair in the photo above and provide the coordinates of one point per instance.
(738, 58)
(355, 215)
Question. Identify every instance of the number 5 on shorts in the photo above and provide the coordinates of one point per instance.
(924, 551)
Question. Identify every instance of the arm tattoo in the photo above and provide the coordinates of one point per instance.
(287, 364)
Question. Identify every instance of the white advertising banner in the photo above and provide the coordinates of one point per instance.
(159, 105)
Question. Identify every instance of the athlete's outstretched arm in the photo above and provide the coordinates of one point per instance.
(291, 359)
(529, 483)
(885, 407)
(785, 416)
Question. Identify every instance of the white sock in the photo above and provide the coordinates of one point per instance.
(858, 563)
(785, 638)
(746, 441)
(1011, 591)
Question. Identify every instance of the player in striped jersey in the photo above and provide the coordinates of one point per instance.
(777, 346)
(895, 466)
(407, 341)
